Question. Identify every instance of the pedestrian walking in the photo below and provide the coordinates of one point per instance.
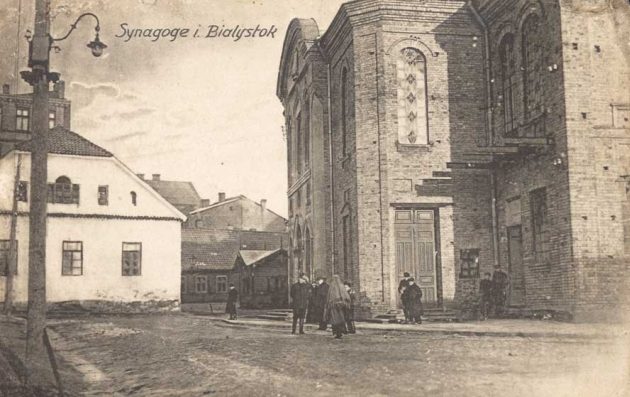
(337, 306)
(500, 282)
(230, 307)
(322, 298)
(300, 292)
(402, 285)
(485, 296)
(412, 299)
(350, 328)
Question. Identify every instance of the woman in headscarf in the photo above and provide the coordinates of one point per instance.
(337, 305)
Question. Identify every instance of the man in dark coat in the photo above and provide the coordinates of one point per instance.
(322, 297)
(412, 299)
(300, 293)
(500, 284)
(230, 308)
(312, 313)
(402, 285)
(485, 296)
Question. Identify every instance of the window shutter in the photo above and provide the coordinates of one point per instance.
(75, 194)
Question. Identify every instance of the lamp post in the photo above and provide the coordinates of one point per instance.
(39, 78)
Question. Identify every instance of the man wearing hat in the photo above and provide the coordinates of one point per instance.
(404, 283)
(412, 299)
(300, 293)
(500, 282)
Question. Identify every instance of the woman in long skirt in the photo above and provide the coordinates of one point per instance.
(337, 306)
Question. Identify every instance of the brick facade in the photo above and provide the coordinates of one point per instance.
(500, 151)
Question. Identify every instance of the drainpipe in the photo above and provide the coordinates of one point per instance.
(489, 130)
(331, 174)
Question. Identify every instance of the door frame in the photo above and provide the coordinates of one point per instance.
(509, 260)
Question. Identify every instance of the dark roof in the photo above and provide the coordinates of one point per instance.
(217, 249)
(176, 192)
(64, 141)
(219, 203)
(209, 249)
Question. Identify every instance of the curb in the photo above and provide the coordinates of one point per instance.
(418, 330)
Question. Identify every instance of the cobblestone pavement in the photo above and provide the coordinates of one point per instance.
(185, 355)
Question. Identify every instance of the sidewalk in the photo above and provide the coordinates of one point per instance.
(501, 328)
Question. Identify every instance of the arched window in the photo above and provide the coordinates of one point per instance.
(134, 198)
(63, 191)
(344, 111)
(508, 80)
(412, 97)
(532, 67)
(298, 250)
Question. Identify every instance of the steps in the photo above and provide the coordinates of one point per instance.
(431, 315)
(277, 315)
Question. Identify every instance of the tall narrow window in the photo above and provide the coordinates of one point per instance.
(538, 210)
(22, 119)
(22, 192)
(52, 117)
(344, 111)
(132, 259)
(134, 198)
(5, 256)
(506, 54)
(412, 97)
(532, 67)
(72, 258)
(300, 148)
(347, 250)
(103, 195)
(307, 137)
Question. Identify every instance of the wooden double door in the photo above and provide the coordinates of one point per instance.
(416, 254)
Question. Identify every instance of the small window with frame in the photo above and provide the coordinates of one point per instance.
(469, 263)
(201, 284)
(103, 195)
(221, 284)
(72, 258)
(132, 259)
(22, 191)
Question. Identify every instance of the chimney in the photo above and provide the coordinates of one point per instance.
(60, 89)
(6, 89)
(221, 196)
(263, 204)
(155, 177)
(141, 176)
(205, 203)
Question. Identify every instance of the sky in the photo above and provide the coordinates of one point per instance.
(195, 108)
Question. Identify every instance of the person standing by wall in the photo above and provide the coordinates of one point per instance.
(322, 297)
(230, 308)
(412, 299)
(300, 293)
(402, 285)
(485, 296)
(312, 312)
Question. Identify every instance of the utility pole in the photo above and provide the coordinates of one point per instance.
(39, 79)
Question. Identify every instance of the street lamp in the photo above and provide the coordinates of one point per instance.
(39, 78)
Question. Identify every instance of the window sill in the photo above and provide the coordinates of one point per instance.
(413, 147)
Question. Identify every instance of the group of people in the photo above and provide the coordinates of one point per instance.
(322, 303)
(411, 298)
(493, 293)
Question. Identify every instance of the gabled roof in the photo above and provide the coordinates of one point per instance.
(250, 257)
(218, 204)
(64, 141)
(177, 193)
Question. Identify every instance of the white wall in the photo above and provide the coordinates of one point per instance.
(102, 277)
(89, 173)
